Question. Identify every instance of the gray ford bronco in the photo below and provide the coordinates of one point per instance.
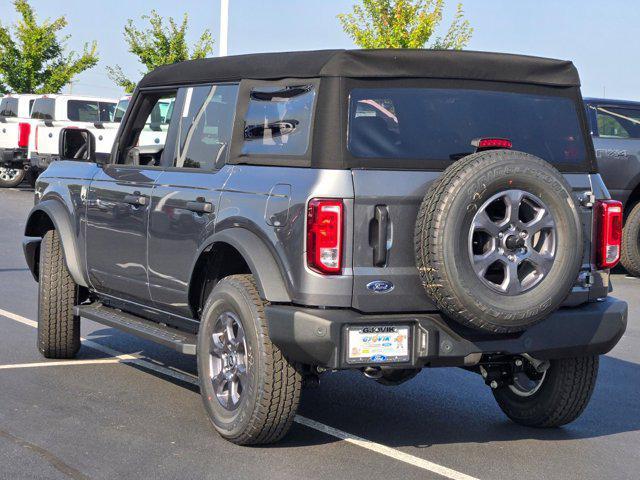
(380, 211)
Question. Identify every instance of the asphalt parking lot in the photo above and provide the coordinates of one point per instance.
(127, 408)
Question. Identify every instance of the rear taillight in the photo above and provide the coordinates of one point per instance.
(324, 235)
(609, 220)
(24, 130)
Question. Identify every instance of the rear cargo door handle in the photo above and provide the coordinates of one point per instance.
(378, 235)
(200, 206)
(136, 199)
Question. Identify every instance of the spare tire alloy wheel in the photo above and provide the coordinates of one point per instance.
(499, 241)
(512, 241)
(11, 177)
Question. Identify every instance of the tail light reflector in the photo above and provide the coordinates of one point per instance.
(609, 217)
(325, 219)
(24, 130)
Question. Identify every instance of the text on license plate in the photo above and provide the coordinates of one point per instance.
(378, 344)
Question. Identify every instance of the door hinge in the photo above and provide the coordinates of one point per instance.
(587, 199)
(586, 279)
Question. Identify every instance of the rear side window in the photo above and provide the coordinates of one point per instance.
(89, 111)
(44, 109)
(9, 107)
(616, 122)
(205, 126)
(278, 120)
(439, 124)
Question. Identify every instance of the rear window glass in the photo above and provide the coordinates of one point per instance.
(616, 122)
(439, 124)
(90, 111)
(44, 109)
(9, 107)
(278, 120)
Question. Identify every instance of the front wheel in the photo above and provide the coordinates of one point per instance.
(11, 177)
(250, 390)
(557, 398)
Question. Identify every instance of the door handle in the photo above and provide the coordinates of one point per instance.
(136, 199)
(200, 206)
(378, 235)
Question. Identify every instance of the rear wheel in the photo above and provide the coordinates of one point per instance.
(556, 397)
(630, 255)
(250, 390)
(58, 327)
(11, 177)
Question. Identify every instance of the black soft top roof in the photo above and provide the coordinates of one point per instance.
(395, 63)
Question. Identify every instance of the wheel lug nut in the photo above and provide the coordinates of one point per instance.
(493, 384)
(518, 363)
(523, 234)
(512, 258)
(500, 235)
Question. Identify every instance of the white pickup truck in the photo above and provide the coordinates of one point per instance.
(55, 112)
(16, 128)
(102, 118)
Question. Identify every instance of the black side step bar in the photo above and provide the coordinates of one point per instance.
(156, 332)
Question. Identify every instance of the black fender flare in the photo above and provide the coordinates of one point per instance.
(60, 219)
(268, 276)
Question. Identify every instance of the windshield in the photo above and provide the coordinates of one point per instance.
(439, 124)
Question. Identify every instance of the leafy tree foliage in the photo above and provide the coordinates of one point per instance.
(404, 24)
(33, 58)
(159, 44)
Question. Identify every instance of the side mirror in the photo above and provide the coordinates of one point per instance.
(77, 144)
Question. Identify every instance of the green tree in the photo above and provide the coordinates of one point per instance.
(159, 45)
(33, 58)
(404, 24)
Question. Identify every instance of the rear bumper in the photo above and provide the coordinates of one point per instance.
(41, 161)
(317, 337)
(14, 158)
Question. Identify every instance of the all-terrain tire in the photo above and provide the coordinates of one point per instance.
(58, 327)
(442, 240)
(11, 177)
(563, 396)
(268, 404)
(630, 255)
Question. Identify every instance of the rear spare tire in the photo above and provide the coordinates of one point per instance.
(498, 241)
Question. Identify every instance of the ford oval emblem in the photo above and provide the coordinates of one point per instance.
(380, 286)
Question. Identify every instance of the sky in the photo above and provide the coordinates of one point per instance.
(598, 36)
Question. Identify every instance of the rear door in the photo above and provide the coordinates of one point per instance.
(9, 122)
(185, 199)
(401, 138)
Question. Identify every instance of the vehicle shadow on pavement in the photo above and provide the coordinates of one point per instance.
(439, 406)
(450, 406)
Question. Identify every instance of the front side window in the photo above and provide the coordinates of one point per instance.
(9, 107)
(205, 126)
(278, 120)
(615, 122)
(145, 135)
(43, 109)
(439, 124)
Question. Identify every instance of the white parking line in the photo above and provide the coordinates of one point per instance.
(63, 363)
(307, 422)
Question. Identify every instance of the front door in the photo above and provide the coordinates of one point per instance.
(118, 206)
(185, 199)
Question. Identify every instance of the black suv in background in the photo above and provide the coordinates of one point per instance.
(383, 211)
(615, 127)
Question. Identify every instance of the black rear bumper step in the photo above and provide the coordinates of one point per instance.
(156, 332)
